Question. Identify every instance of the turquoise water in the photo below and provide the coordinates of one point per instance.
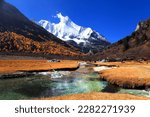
(35, 86)
(80, 81)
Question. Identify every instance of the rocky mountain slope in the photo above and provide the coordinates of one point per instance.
(19, 34)
(83, 38)
(135, 46)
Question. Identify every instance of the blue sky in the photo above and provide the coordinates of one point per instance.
(114, 19)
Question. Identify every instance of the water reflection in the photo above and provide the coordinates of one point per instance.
(72, 86)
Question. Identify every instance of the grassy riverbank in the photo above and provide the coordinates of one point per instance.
(127, 74)
(11, 66)
(97, 96)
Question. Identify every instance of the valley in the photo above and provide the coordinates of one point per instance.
(61, 61)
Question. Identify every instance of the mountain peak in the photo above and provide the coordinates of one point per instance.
(63, 19)
(78, 36)
(20, 35)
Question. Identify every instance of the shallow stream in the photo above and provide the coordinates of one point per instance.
(82, 80)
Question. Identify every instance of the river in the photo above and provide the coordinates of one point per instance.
(82, 80)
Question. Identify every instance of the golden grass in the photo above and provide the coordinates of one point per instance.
(10, 66)
(128, 74)
(97, 96)
(121, 64)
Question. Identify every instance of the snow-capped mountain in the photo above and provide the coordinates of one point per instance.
(83, 38)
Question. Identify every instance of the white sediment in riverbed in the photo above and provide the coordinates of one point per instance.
(101, 68)
(83, 63)
(56, 74)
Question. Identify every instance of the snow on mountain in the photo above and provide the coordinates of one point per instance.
(77, 35)
(137, 27)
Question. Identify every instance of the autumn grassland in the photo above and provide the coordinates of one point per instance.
(97, 96)
(127, 74)
(11, 66)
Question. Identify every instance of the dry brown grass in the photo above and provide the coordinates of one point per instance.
(121, 64)
(10, 66)
(128, 74)
(97, 96)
